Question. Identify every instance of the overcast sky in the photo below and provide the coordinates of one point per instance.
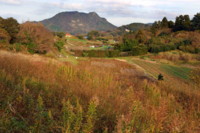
(118, 12)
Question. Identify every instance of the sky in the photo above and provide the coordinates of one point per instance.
(118, 12)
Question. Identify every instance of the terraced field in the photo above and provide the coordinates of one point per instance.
(168, 71)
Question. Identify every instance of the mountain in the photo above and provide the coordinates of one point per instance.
(130, 28)
(77, 22)
(134, 26)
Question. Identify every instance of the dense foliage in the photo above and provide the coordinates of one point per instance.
(11, 26)
(164, 36)
(37, 38)
(182, 22)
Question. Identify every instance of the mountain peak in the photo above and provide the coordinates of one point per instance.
(75, 22)
(93, 13)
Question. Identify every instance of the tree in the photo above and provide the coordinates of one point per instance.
(1, 19)
(187, 22)
(140, 37)
(164, 23)
(154, 27)
(182, 23)
(93, 35)
(36, 37)
(11, 26)
(128, 42)
(196, 22)
(171, 24)
(4, 36)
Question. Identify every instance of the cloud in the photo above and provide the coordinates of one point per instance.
(113, 10)
(14, 2)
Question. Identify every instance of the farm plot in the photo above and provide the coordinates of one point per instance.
(169, 71)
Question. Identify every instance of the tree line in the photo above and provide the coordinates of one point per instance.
(182, 22)
(33, 37)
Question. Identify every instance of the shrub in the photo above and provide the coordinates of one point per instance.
(128, 44)
(59, 34)
(80, 37)
(59, 45)
(161, 48)
(139, 50)
(160, 77)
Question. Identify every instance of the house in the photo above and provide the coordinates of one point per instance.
(68, 35)
(127, 30)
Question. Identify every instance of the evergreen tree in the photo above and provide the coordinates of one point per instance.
(171, 24)
(154, 27)
(164, 23)
(182, 23)
(186, 22)
(196, 22)
(178, 23)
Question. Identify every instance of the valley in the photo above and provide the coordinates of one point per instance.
(68, 78)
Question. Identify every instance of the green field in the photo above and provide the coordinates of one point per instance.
(169, 71)
(180, 72)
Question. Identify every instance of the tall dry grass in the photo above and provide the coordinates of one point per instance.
(39, 94)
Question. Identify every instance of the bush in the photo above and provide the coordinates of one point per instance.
(128, 44)
(139, 50)
(161, 48)
(160, 77)
(59, 45)
(80, 37)
(59, 34)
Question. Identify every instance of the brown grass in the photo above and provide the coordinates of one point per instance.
(125, 101)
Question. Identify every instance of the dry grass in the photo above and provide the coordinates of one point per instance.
(125, 101)
(176, 56)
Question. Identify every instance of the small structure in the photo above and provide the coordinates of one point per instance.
(68, 35)
(127, 30)
(92, 46)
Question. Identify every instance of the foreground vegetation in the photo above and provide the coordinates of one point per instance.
(40, 94)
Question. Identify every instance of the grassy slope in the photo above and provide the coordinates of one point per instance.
(176, 77)
(104, 95)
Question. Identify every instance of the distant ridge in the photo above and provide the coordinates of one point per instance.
(77, 22)
(135, 26)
